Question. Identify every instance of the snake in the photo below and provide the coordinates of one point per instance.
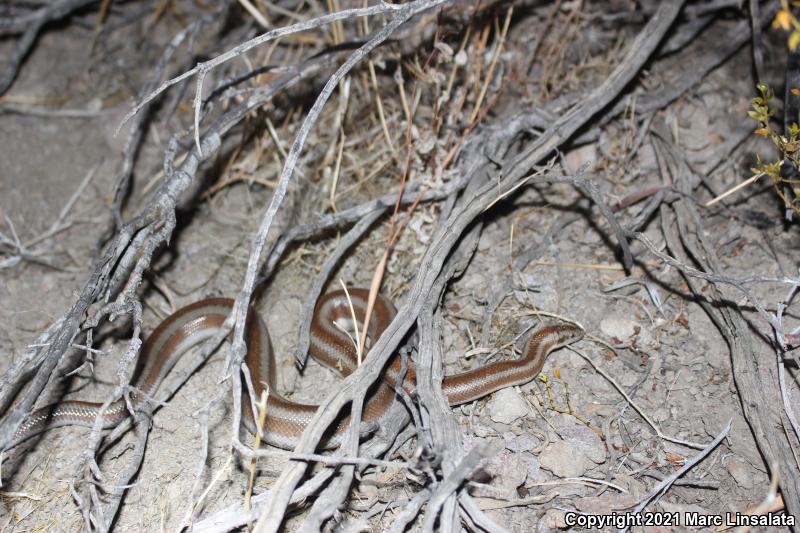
(330, 345)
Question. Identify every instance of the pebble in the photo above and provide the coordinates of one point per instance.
(580, 437)
(481, 430)
(520, 443)
(647, 157)
(577, 158)
(367, 491)
(619, 328)
(553, 519)
(508, 471)
(506, 406)
(533, 468)
(740, 471)
(522, 446)
(564, 460)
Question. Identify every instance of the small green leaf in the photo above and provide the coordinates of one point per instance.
(794, 40)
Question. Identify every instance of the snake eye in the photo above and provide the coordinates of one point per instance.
(574, 331)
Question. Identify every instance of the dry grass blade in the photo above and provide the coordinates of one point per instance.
(262, 418)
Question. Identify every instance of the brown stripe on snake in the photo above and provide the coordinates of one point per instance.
(330, 345)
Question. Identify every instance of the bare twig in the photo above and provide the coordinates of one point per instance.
(442, 242)
(667, 482)
(30, 26)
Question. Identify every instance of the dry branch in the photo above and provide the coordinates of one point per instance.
(681, 227)
(446, 238)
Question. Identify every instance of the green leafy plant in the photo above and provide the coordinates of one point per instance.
(786, 20)
(788, 146)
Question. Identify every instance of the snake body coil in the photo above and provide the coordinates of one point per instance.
(286, 419)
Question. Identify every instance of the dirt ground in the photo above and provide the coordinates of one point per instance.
(569, 442)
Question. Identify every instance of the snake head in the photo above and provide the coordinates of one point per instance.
(552, 337)
(569, 333)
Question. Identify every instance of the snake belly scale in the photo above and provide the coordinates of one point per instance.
(286, 419)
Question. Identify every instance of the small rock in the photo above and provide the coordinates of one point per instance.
(508, 471)
(552, 519)
(481, 430)
(619, 328)
(740, 471)
(520, 443)
(581, 437)
(533, 468)
(506, 406)
(647, 158)
(563, 460)
(366, 490)
(579, 157)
